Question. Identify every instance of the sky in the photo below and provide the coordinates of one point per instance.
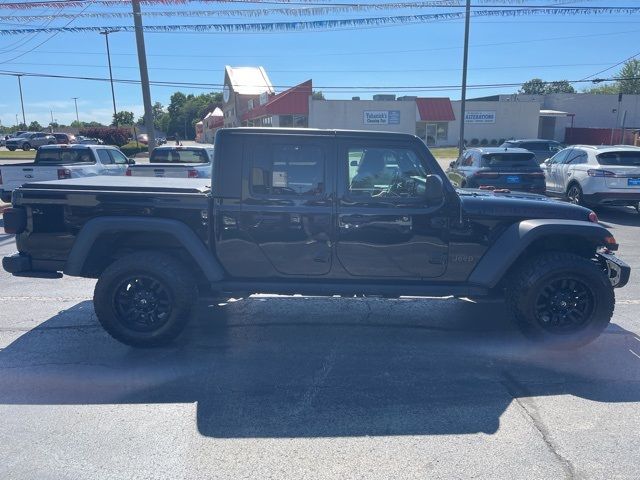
(403, 59)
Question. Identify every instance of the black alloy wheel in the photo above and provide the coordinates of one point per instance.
(564, 305)
(142, 303)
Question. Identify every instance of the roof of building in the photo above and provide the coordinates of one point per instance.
(249, 80)
(294, 101)
(435, 109)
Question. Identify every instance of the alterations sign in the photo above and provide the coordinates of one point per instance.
(479, 116)
(381, 117)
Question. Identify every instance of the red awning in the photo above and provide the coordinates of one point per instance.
(435, 109)
(294, 101)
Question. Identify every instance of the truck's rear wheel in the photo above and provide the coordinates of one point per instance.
(26, 147)
(561, 299)
(145, 299)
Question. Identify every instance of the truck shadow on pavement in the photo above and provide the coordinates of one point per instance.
(311, 367)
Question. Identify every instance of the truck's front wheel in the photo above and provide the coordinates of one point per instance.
(561, 299)
(145, 299)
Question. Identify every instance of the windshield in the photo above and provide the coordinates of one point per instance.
(59, 156)
(508, 159)
(25, 135)
(191, 155)
(630, 158)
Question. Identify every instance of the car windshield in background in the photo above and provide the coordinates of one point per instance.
(61, 156)
(625, 159)
(180, 156)
(504, 159)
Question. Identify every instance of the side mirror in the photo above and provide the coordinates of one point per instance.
(452, 164)
(131, 161)
(353, 163)
(433, 189)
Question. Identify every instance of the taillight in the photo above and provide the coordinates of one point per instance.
(593, 217)
(15, 220)
(64, 173)
(128, 172)
(192, 173)
(593, 172)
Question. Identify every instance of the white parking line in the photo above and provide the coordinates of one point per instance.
(634, 353)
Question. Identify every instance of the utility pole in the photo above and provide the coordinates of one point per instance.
(113, 93)
(144, 74)
(75, 99)
(24, 120)
(617, 117)
(463, 97)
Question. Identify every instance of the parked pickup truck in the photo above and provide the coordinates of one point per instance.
(62, 162)
(315, 212)
(176, 162)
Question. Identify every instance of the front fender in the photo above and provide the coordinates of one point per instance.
(96, 227)
(514, 241)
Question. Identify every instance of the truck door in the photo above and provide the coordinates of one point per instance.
(384, 227)
(287, 205)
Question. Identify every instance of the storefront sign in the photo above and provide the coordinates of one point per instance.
(381, 117)
(480, 117)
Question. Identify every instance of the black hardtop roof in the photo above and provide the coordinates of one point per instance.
(316, 132)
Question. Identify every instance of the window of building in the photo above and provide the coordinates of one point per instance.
(286, 120)
(288, 169)
(385, 173)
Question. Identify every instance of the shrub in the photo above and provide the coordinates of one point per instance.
(110, 135)
(474, 142)
(130, 149)
(493, 142)
(501, 141)
(484, 142)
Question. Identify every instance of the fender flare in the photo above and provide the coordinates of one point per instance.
(497, 260)
(94, 228)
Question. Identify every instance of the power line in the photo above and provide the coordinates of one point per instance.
(345, 88)
(613, 66)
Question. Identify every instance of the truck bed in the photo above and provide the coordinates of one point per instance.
(126, 184)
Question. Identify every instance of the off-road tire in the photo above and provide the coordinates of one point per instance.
(526, 286)
(174, 278)
(26, 147)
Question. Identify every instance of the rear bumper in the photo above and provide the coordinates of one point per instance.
(23, 265)
(612, 198)
(617, 270)
(16, 263)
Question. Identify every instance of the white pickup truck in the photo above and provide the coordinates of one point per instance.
(176, 162)
(58, 162)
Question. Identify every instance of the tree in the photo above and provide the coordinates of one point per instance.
(35, 127)
(184, 111)
(562, 86)
(629, 78)
(317, 95)
(627, 81)
(535, 86)
(160, 117)
(122, 118)
(110, 135)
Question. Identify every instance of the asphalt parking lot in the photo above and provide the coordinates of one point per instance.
(296, 387)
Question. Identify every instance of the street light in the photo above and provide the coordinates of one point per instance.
(75, 100)
(113, 93)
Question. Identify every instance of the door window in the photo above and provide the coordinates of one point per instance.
(118, 157)
(576, 157)
(104, 157)
(561, 156)
(288, 169)
(385, 173)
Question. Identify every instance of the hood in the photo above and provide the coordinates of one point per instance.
(518, 205)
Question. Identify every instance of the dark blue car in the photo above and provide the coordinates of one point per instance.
(498, 168)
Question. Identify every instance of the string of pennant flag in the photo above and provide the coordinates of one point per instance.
(326, 24)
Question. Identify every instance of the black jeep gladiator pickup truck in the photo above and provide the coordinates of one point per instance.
(315, 212)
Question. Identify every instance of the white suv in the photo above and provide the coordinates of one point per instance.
(588, 175)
